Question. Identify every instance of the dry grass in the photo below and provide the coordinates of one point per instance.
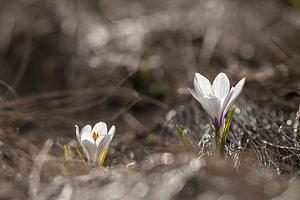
(128, 63)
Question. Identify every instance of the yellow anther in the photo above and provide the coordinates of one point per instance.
(95, 136)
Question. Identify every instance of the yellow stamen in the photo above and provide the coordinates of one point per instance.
(95, 136)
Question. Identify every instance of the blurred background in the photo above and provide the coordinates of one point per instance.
(128, 63)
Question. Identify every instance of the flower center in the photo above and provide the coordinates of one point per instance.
(95, 136)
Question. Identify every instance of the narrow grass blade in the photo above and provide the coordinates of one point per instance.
(102, 158)
(66, 154)
(224, 136)
(70, 156)
(185, 142)
(79, 154)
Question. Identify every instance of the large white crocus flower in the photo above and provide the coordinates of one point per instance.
(94, 142)
(216, 99)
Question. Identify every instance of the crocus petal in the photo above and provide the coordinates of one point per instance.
(85, 133)
(204, 85)
(100, 128)
(236, 92)
(197, 86)
(99, 139)
(221, 85)
(211, 105)
(78, 133)
(110, 136)
(102, 147)
(112, 131)
(104, 143)
(91, 149)
(225, 101)
(107, 141)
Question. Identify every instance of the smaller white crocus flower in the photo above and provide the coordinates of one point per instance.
(95, 141)
(216, 99)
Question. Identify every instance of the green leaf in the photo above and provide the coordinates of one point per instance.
(224, 136)
(295, 3)
(151, 140)
(185, 142)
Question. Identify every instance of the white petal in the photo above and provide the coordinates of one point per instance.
(204, 85)
(211, 105)
(91, 150)
(100, 138)
(112, 131)
(236, 92)
(197, 86)
(108, 141)
(102, 147)
(78, 133)
(86, 134)
(221, 85)
(104, 143)
(111, 134)
(100, 128)
(225, 101)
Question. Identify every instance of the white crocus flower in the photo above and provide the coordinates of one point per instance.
(94, 142)
(216, 99)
